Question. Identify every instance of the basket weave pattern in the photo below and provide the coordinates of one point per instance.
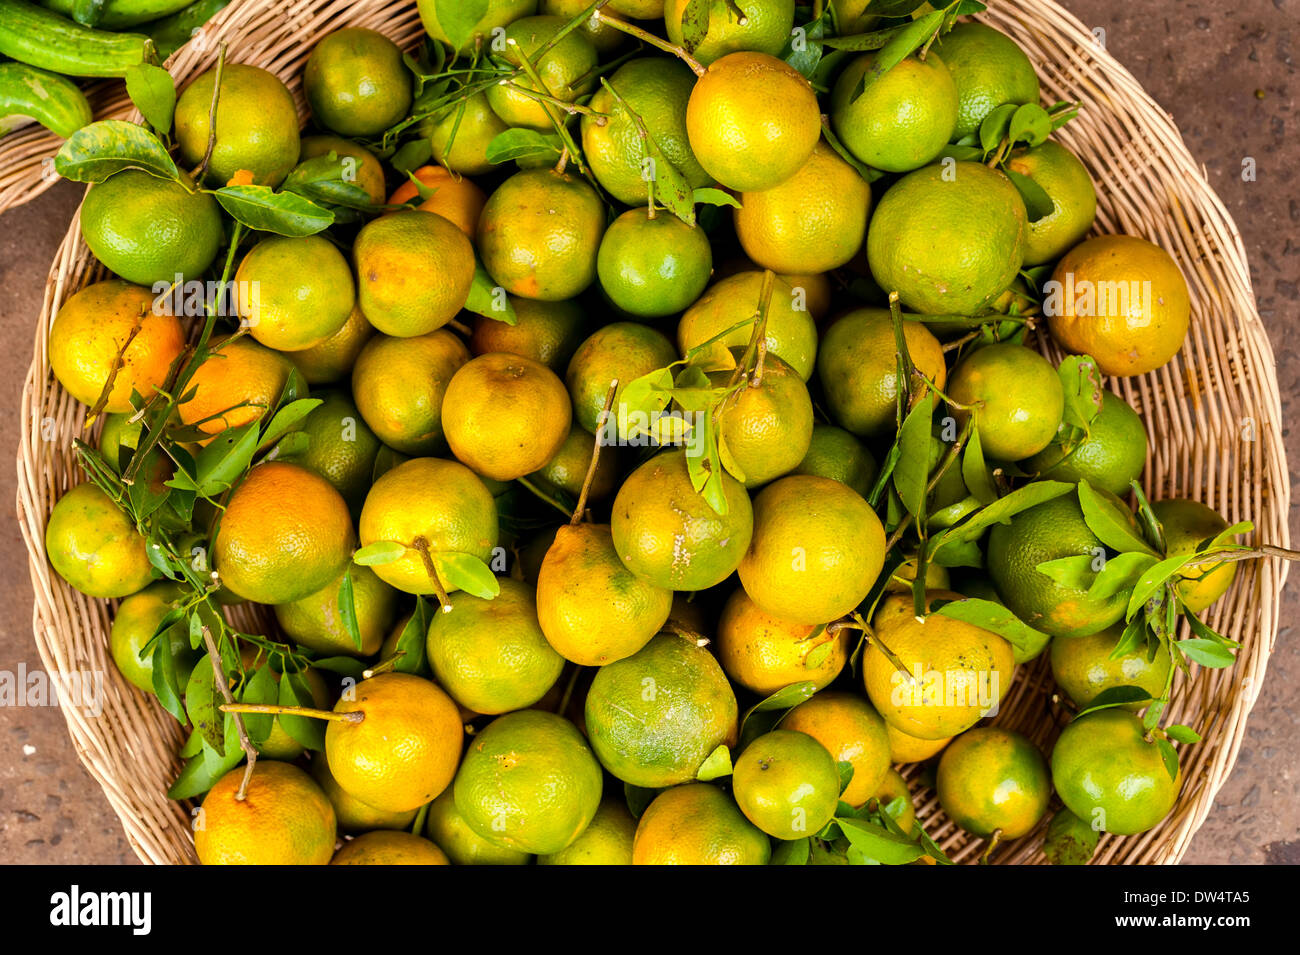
(1213, 416)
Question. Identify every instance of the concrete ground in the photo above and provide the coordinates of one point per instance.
(1225, 70)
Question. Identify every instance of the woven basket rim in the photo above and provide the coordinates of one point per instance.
(161, 833)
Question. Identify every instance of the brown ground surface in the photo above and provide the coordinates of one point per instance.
(1206, 61)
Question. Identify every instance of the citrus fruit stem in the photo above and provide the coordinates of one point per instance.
(202, 169)
(543, 95)
(274, 709)
(756, 350)
(994, 841)
(246, 744)
(648, 38)
(422, 545)
(595, 453)
(383, 666)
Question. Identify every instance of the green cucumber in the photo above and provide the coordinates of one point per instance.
(118, 14)
(53, 101)
(38, 37)
(173, 32)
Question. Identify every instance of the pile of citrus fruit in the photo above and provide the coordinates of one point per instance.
(628, 415)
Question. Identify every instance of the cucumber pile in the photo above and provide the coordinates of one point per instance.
(42, 45)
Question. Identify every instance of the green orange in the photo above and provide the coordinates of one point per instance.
(993, 780)
(1083, 667)
(652, 266)
(836, 454)
(497, 13)
(760, 25)
(1016, 399)
(1187, 525)
(317, 623)
(389, 848)
(852, 732)
(766, 423)
(399, 385)
(656, 716)
(903, 119)
(94, 546)
(564, 65)
(1074, 199)
(299, 291)
(448, 829)
(697, 824)
(989, 70)
(1110, 457)
(787, 784)
(134, 626)
(256, 127)
(607, 840)
(716, 323)
(414, 271)
(491, 655)
(340, 447)
(546, 332)
(356, 82)
(529, 782)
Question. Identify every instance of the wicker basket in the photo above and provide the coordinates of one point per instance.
(1213, 416)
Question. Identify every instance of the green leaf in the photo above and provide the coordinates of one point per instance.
(466, 572)
(792, 852)
(322, 179)
(348, 608)
(199, 774)
(1081, 382)
(295, 691)
(863, 42)
(490, 300)
(1005, 508)
(1038, 204)
(1111, 522)
(225, 459)
(715, 197)
(1030, 124)
(202, 701)
(458, 18)
(1119, 573)
(1200, 629)
(413, 640)
(1074, 572)
(994, 618)
(1069, 840)
(872, 843)
(164, 678)
(102, 149)
(526, 144)
(261, 688)
(1153, 580)
(154, 94)
(1182, 734)
(1114, 696)
(717, 765)
(820, 653)
(285, 419)
(845, 769)
(695, 23)
(786, 697)
(912, 472)
(1207, 653)
(975, 470)
(995, 126)
(909, 38)
(263, 209)
(416, 153)
(378, 553)
(1170, 757)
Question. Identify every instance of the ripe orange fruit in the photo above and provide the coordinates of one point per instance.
(656, 716)
(787, 784)
(491, 655)
(257, 125)
(622, 352)
(352, 814)
(269, 553)
(540, 233)
(852, 733)
(910, 749)
(766, 425)
(299, 291)
(443, 503)
(236, 385)
(993, 780)
(791, 331)
(816, 550)
(1121, 300)
(565, 70)
(389, 848)
(697, 824)
(400, 383)
(1188, 524)
(760, 25)
(315, 621)
(529, 782)
(752, 120)
(505, 415)
(666, 533)
(405, 750)
(456, 198)
(859, 373)
(1017, 397)
(607, 840)
(956, 672)
(592, 609)
(94, 546)
(92, 328)
(764, 653)
(284, 819)
(414, 271)
(812, 222)
(546, 332)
